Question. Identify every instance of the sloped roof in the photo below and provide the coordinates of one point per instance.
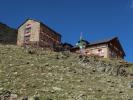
(84, 41)
(102, 41)
(41, 24)
(64, 44)
(105, 41)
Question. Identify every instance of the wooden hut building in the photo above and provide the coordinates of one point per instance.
(108, 48)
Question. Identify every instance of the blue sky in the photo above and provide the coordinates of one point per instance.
(96, 19)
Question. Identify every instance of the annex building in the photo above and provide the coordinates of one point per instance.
(107, 48)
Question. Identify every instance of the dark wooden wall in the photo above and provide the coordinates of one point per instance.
(115, 47)
(48, 38)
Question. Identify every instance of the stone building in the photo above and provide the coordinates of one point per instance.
(108, 48)
(33, 32)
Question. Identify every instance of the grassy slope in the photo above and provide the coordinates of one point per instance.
(57, 79)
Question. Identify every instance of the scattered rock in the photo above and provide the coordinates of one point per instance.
(130, 85)
(27, 62)
(1, 89)
(13, 97)
(57, 88)
(120, 92)
(49, 99)
(46, 64)
(25, 98)
(36, 98)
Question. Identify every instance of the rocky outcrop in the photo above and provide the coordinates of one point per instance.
(110, 67)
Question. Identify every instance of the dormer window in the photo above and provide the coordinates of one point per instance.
(28, 30)
(100, 52)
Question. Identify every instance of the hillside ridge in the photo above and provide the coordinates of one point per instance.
(8, 35)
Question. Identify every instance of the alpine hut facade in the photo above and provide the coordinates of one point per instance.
(33, 32)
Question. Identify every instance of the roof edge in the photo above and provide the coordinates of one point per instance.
(40, 23)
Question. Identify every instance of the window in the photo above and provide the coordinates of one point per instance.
(27, 34)
(100, 52)
(28, 30)
(28, 25)
(26, 39)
